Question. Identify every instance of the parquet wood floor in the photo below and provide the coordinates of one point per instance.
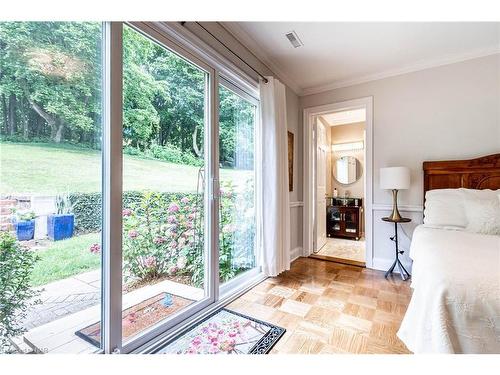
(328, 307)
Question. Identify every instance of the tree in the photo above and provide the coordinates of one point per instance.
(55, 67)
(50, 88)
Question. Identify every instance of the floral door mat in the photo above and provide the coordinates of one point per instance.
(226, 332)
(139, 317)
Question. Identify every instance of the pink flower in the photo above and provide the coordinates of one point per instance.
(133, 233)
(127, 212)
(185, 200)
(173, 244)
(159, 240)
(171, 219)
(173, 208)
(150, 262)
(95, 248)
(173, 270)
(191, 216)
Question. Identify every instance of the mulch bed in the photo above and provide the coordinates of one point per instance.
(139, 317)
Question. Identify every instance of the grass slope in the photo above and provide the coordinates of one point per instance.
(49, 169)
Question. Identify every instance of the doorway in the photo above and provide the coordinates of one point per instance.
(338, 189)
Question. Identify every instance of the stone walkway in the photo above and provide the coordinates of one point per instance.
(64, 297)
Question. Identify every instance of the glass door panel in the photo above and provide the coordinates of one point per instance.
(164, 184)
(237, 220)
(351, 220)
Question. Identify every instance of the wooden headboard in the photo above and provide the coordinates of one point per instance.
(480, 173)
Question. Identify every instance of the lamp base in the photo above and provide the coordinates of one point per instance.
(395, 215)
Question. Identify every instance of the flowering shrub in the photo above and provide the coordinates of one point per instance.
(165, 238)
(158, 237)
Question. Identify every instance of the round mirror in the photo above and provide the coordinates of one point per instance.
(347, 170)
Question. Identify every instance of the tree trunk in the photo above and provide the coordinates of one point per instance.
(4, 113)
(196, 149)
(25, 121)
(55, 128)
(12, 114)
(58, 134)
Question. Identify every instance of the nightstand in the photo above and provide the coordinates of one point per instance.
(397, 263)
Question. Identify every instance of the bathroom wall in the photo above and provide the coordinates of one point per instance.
(343, 134)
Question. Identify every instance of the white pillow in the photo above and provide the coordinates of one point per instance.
(483, 216)
(444, 208)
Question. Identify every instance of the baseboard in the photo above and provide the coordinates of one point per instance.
(383, 264)
(295, 253)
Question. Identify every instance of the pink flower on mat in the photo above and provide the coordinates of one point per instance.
(185, 200)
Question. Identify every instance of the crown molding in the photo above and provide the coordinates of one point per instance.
(246, 40)
(422, 65)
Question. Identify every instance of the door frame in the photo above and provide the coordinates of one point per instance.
(309, 226)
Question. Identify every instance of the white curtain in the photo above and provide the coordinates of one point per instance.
(274, 201)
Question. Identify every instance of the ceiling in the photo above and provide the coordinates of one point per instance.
(345, 117)
(339, 54)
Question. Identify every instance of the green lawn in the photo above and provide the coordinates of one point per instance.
(66, 258)
(49, 169)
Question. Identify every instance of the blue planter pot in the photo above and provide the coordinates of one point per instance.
(60, 227)
(25, 230)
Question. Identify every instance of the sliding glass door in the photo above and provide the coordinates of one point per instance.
(128, 176)
(166, 236)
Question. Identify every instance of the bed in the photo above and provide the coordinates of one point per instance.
(455, 306)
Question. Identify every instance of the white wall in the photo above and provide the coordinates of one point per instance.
(447, 112)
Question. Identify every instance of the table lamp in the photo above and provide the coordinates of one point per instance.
(395, 178)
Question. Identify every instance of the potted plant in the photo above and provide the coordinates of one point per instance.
(24, 222)
(61, 224)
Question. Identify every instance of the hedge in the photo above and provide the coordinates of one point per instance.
(87, 207)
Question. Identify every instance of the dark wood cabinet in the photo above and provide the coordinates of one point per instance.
(343, 218)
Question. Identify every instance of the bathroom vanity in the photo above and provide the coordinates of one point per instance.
(343, 217)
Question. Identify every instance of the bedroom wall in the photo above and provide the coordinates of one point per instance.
(292, 110)
(446, 112)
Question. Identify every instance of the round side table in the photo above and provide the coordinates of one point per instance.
(397, 263)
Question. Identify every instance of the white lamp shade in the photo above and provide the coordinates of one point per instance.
(395, 178)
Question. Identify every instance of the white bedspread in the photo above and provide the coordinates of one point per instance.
(455, 307)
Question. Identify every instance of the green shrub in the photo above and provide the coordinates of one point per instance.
(168, 153)
(87, 207)
(16, 296)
